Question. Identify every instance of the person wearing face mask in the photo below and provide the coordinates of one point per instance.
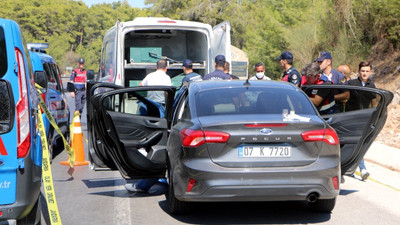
(259, 68)
(290, 74)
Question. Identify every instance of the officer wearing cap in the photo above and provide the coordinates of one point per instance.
(190, 76)
(325, 63)
(78, 78)
(219, 73)
(290, 74)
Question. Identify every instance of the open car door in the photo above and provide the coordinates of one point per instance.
(128, 131)
(356, 122)
(97, 154)
(221, 41)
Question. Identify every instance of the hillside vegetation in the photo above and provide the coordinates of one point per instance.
(349, 29)
(352, 30)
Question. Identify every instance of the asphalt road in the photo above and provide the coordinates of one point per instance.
(90, 197)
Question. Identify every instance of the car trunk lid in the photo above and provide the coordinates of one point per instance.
(268, 142)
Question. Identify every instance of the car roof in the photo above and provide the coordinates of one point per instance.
(213, 84)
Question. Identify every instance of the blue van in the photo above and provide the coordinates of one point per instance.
(53, 96)
(20, 148)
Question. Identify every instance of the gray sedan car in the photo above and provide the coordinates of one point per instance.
(231, 140)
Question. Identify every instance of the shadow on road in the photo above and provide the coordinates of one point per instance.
(250, 213)
(97, 183)
(347, 192)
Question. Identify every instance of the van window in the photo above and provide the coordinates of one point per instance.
(3, 53)
(107, 64)
(6, 110)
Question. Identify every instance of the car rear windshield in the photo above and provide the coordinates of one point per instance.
(3, 53)
(254, 100)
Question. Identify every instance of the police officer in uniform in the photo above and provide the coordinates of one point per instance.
(290, 74)
(323, 99)
(78, 78)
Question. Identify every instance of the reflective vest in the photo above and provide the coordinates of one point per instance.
(80, 76)
(293, 75)
(328, 104)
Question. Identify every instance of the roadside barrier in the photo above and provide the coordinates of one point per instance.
(77, 142)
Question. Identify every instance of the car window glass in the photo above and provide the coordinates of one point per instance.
(3, 53)
(139, 103)
(52, 83)
(361, 100)
(56, 73)
(255, 100)
(357, 100)
(186, 110)
(182, 111)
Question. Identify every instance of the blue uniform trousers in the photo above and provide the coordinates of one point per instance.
(80, 100)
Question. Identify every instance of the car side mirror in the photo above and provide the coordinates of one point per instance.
(70, 87)
(7, 109)
(90, 75)
(41, 79)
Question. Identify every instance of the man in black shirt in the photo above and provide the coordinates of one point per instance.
(362, 99)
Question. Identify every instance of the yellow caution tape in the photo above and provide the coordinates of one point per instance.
(70, 151)
(48, 177)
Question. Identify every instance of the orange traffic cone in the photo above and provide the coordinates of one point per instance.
(77, 144)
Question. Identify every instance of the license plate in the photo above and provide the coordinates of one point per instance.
(264, 151)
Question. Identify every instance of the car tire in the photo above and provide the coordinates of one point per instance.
(323, 205)
(175, 206)
(34, 216)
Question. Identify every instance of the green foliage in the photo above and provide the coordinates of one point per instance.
(263, 28)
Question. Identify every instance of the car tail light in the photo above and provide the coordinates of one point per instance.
(194, 138)
(23, 117)
(327, 135)
(191, 183)
(335, 183)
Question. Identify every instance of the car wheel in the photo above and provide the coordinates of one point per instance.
(323, 205)
(34, 216)
(176, 207)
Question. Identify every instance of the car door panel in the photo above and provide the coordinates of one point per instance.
(357, 129)
(98, 156)
(136, 131)
(124, 129)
